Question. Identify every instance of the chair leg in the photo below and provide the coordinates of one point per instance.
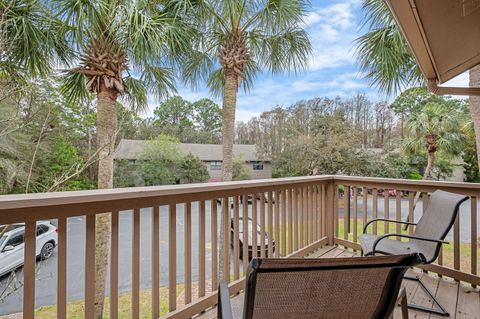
(403, 303)
(440, 311)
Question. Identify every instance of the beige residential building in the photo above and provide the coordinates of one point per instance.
(210, 154)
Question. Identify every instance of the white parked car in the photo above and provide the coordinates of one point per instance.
(12, 244)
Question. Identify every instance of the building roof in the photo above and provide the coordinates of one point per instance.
(132, 149)
(443, 36)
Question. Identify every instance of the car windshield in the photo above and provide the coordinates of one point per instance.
(2, 239)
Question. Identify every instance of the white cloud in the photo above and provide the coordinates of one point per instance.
(245, 115)
(332, 32)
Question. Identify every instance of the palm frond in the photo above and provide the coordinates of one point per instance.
(137, 95)
(73, 87)
(383, 53)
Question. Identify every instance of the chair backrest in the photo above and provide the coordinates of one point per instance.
(436, 221)
(361, 288)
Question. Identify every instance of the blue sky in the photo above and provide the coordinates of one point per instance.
(333, 26)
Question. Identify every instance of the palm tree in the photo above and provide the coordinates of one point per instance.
(384, 56)
(383, 53)
(436, 128)
(241, 38)
(126, 49)
(31, 42)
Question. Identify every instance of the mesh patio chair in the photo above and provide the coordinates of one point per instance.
(333, 288)
(426, 240)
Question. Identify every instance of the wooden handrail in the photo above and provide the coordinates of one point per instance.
(296, 216)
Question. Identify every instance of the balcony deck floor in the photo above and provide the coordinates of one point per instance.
(459, 299)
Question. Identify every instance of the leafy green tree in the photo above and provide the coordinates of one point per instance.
(207, 116)
(237, 40)
(175, 111)
(161, 161)
(62, 160)
(193, 170)
(127, 174)
(126, 49)
(436, 128)
(240, 170)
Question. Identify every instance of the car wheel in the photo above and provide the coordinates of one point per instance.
(47, 250)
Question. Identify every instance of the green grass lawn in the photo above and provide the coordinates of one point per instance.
(75, 309)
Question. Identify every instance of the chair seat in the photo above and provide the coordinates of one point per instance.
(386, 246)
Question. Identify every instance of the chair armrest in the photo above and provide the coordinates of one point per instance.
(385, 220)
(375, 243)
(224, 307)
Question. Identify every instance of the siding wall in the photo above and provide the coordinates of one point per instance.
(257, 174)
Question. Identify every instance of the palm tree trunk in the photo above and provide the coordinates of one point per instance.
(106, 134)
(228, 122)
(474, 105)
(430, 160)
(228, 131)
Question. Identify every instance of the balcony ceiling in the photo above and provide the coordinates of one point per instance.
(443, 35)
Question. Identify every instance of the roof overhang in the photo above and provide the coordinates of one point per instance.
(444, 36)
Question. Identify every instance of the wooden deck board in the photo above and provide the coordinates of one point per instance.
(460, 300)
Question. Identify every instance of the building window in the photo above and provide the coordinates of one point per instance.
(216, 166)
(257, 166)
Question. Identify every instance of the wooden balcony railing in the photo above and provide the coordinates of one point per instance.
(295, 216)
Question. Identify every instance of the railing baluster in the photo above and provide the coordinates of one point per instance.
(324, 210)
(270, 225)
(276, 221)
(172, 257)
(29, 270)
(254, 226)
(320, 220)
(306, 216)
(284, 222)
(236, 240)
(398, 212)
(346, 211)
(89, 267)
(201, 250)
(310, 214)
(386, 210)
(187, 253)
(114, 267)
(214, 242)
(364, 206)
(355, 214)
(290, 220)
(306, 203)
(335, 210)
(456, 243)
(62, 269)
(296, 219)
(375, 209)
(245, 232)
(136, 264)
(262, 225)
(473, 225)
(302, 217)
(155, 261)
(411, 209)
(316, 215)
(226, 239)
